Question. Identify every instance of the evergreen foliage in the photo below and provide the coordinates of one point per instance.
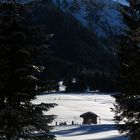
(89, 81)
(20, 78)
(127, 108)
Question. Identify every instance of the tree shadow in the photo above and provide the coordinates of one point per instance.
(111, 138)
(86, 129)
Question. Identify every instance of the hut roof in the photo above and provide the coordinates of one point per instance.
(88, 114)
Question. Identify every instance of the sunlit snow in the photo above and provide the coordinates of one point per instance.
(71, 106)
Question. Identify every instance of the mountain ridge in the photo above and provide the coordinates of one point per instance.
(103, 17)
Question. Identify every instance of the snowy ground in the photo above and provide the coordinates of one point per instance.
(71, 106)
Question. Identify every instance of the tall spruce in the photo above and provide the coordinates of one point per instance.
(127, 108)
(19, 78)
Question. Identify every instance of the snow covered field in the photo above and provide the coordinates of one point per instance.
(71, 106)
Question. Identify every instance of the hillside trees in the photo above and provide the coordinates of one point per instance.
(75, 48)
(127, 108)
(20, 78)
(89, 81)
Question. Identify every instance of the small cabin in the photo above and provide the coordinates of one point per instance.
(89, 118)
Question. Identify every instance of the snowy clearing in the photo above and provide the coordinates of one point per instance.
(71, 106)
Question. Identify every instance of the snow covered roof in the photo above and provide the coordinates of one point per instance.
(89, 114)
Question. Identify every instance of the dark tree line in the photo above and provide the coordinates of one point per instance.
(20, 77)
(85, 81)
(127, 108)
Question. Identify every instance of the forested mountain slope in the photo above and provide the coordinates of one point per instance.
(85, 36)
(87, 39)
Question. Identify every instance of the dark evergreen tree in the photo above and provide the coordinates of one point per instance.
(74, 6)
(19, 78)
(127, 108)
(58, 3)
(65, 3)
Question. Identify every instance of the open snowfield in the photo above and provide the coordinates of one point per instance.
(71, 106)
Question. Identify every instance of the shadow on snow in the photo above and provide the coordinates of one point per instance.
(111, 138)
(86, 129)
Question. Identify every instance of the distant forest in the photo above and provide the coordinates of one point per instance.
(74, 51)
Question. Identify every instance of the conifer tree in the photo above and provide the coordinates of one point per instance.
(19, 78)
(65, 3)
(127, 108)
(58, 3)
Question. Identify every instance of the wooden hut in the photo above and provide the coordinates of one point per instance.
(89, 118)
